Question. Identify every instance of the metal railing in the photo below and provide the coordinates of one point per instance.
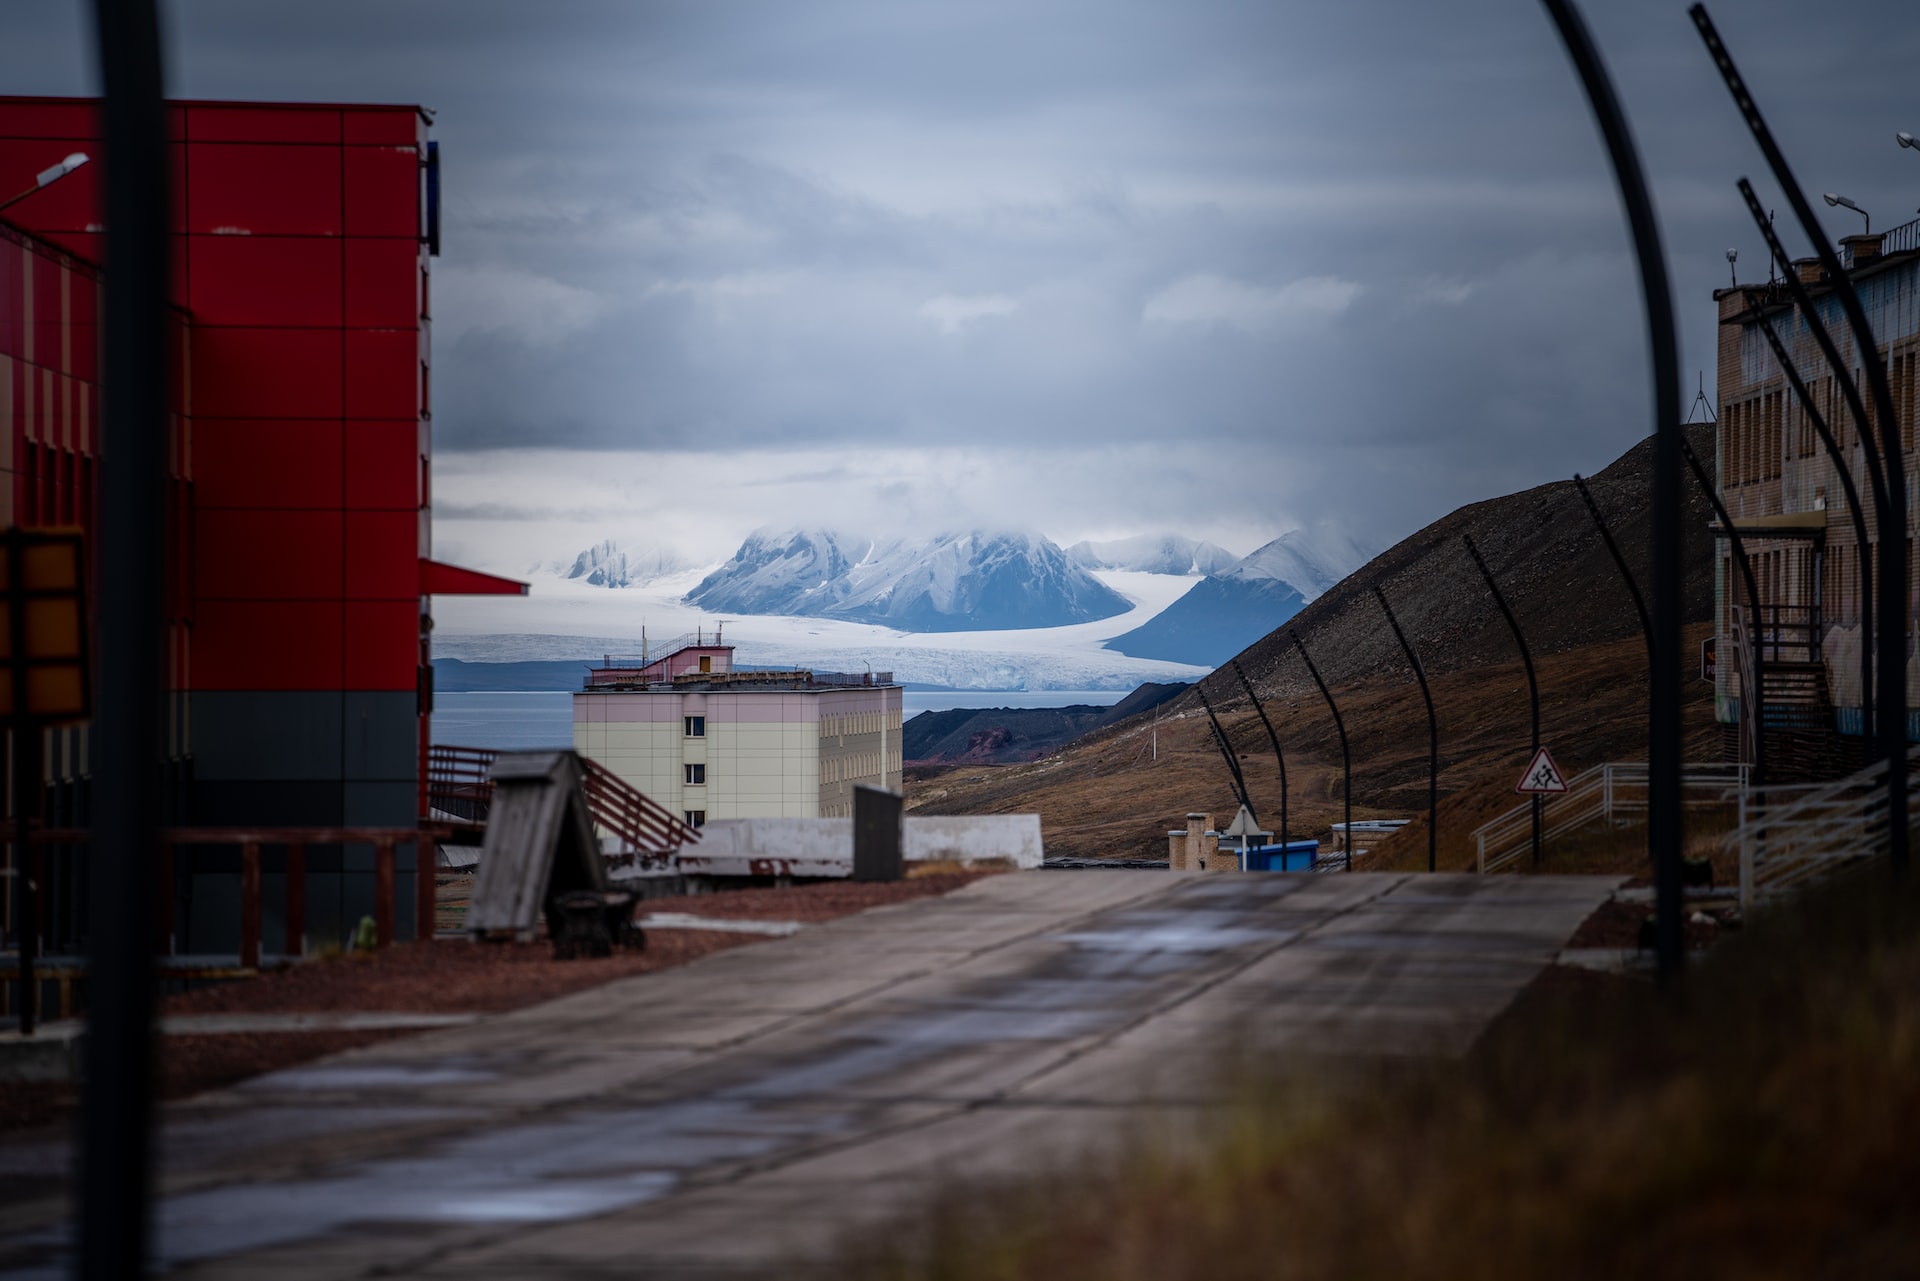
(1785, 633)
(1791, 835)
(1615, 792)
(460, 783)
(1902, 239)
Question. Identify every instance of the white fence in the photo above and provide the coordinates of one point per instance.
(1612, 793)
(1791, 835)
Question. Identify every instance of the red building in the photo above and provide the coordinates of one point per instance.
(303, 386)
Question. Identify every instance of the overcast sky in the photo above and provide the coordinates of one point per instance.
(1089, 268)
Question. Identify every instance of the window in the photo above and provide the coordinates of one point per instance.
(695, 774)
(695, 818)
(696, 726)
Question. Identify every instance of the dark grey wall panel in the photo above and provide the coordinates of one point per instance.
(382, 804)
(252, 735)
(264, 804)
(380, 733)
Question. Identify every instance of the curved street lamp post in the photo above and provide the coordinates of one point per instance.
(1340, 727)
(1526, 658)
(1663, 631)
(1433, 737)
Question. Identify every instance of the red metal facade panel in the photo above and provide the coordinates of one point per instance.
(383, 284)
(13, 269)
(264, 280)
(381, 649)
(251, 122)
(237, 188)
(393, 126)
(41, 118)
(383, 191)
(267, 645)
(382, 466)
(266, 373)
(264, 554)
(382, 555)
(248, 462)
(382, 373)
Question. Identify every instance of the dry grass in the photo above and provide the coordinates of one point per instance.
(1112, 794)
(1765, 1122)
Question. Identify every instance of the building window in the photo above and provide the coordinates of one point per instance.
(696, 774)
(695, 818)
(696, 726)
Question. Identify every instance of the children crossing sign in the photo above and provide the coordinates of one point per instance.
(1543, 777)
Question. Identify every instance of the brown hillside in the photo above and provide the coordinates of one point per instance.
(1106, 794)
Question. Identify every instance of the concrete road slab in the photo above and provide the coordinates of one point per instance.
(740, 1115)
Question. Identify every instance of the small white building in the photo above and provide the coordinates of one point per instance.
(711, 742)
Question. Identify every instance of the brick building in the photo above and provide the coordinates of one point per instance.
(1779, 485)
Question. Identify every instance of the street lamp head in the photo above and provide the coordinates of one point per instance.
(54, 173)
(1833, 199)
(1905, 139)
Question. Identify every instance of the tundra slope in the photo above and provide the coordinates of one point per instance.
(1116, 791)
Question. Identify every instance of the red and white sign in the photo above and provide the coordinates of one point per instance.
(1543, 777)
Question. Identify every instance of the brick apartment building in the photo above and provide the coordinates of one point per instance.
(1780, 488)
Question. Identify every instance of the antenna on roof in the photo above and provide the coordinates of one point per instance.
(1733, 273)
(1700, 399)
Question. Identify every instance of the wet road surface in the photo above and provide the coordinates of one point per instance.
(737, 1115)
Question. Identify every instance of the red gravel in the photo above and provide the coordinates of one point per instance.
(1616, 923)
(448, 977)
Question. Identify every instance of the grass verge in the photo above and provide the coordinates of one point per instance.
(1762, 1122)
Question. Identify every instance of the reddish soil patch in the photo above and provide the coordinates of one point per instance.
(1616, 923)
(447, 977)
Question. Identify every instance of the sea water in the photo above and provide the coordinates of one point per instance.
(512, 720)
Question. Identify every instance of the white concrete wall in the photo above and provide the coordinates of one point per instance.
(824, 846)
(974, 838)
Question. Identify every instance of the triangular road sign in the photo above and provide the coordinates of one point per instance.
(1543, 777)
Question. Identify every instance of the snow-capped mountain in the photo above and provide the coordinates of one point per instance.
(1225, 612)
(1153, 554)
(981, 580)
(605, 565)
(1307, 561)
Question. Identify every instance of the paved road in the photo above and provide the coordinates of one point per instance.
(738, 1114)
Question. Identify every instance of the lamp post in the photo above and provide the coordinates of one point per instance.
(1663, 626)
(1346, 752)
(1836, 201)
(128, 730)
(1277, 754)
(48, 176)
(1905, 139)
(1433, 735)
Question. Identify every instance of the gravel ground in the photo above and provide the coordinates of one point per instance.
(447, 977)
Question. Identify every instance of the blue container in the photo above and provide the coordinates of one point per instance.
(1294, 856)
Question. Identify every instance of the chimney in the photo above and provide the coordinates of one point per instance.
(1809, 270)
(1861, 250)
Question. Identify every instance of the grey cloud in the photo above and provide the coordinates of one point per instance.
(706, 227)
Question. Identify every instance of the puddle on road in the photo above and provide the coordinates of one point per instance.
(597, 1160)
